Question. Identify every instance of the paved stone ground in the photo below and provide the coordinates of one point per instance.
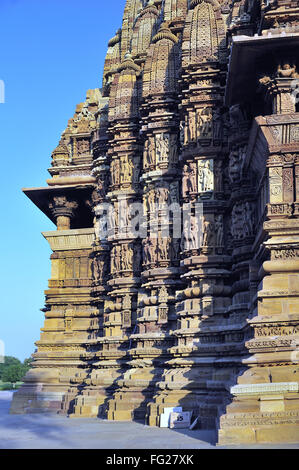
(39, 431)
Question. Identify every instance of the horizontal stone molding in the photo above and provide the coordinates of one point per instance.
(279, 266)
(50, 396)
(264, 388)
(71, 180)
(64, 240)
(259, 419)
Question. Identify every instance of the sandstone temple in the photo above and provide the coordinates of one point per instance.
(175, 191)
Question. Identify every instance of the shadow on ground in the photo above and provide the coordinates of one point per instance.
(43, 431)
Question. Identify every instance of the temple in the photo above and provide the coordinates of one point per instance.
(175, 191)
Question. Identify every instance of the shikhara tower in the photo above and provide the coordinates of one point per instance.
(198, 106)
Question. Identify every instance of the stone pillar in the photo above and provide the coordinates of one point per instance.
(279, 91)
(64, 211)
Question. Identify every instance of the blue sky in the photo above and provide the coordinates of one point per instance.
(51, 52)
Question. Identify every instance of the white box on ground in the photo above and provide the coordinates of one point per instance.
(165, 416)
(180, 420)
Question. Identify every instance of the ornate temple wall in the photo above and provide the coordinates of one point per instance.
(175, 191)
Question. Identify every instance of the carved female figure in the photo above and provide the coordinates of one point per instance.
(208, 175)
(127, 256)
(123, 170)
(129, 168)
(175, 249)
(97, 269)
(117, 258)
(218, 175)
(192, 126)
(186, 131)
(116, 172)
(151, 151)
(185, 180)
(163, 247)
(248, 218)
(287, 71)
(193, 173)
(207, 232)
(102, 188)
(149, 250)
(151, 200)
(136, 171)
(173, 149)
(153, 249)
(219, 230)
(112, 263)
(205, 124)
(158, 140)
(146, 154)
(162, 197)
(194, 234)
(145, 251)
(182, 133)
(164, 147)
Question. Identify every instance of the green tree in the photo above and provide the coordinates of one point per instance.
(27, 364)
(8, 361)
(13, 373)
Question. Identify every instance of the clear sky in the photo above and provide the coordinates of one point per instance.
(51, 52)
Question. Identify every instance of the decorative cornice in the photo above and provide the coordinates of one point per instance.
(128, 63)
(150, 8)
(61, 149)
(67, 240)
(165, 33)
(194, 3)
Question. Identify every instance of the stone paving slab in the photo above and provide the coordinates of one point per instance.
(42, 431)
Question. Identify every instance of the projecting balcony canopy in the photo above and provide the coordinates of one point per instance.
(42, 198)
(249, 56)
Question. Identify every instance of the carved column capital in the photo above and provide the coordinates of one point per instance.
(63, 210)
(279, 92)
